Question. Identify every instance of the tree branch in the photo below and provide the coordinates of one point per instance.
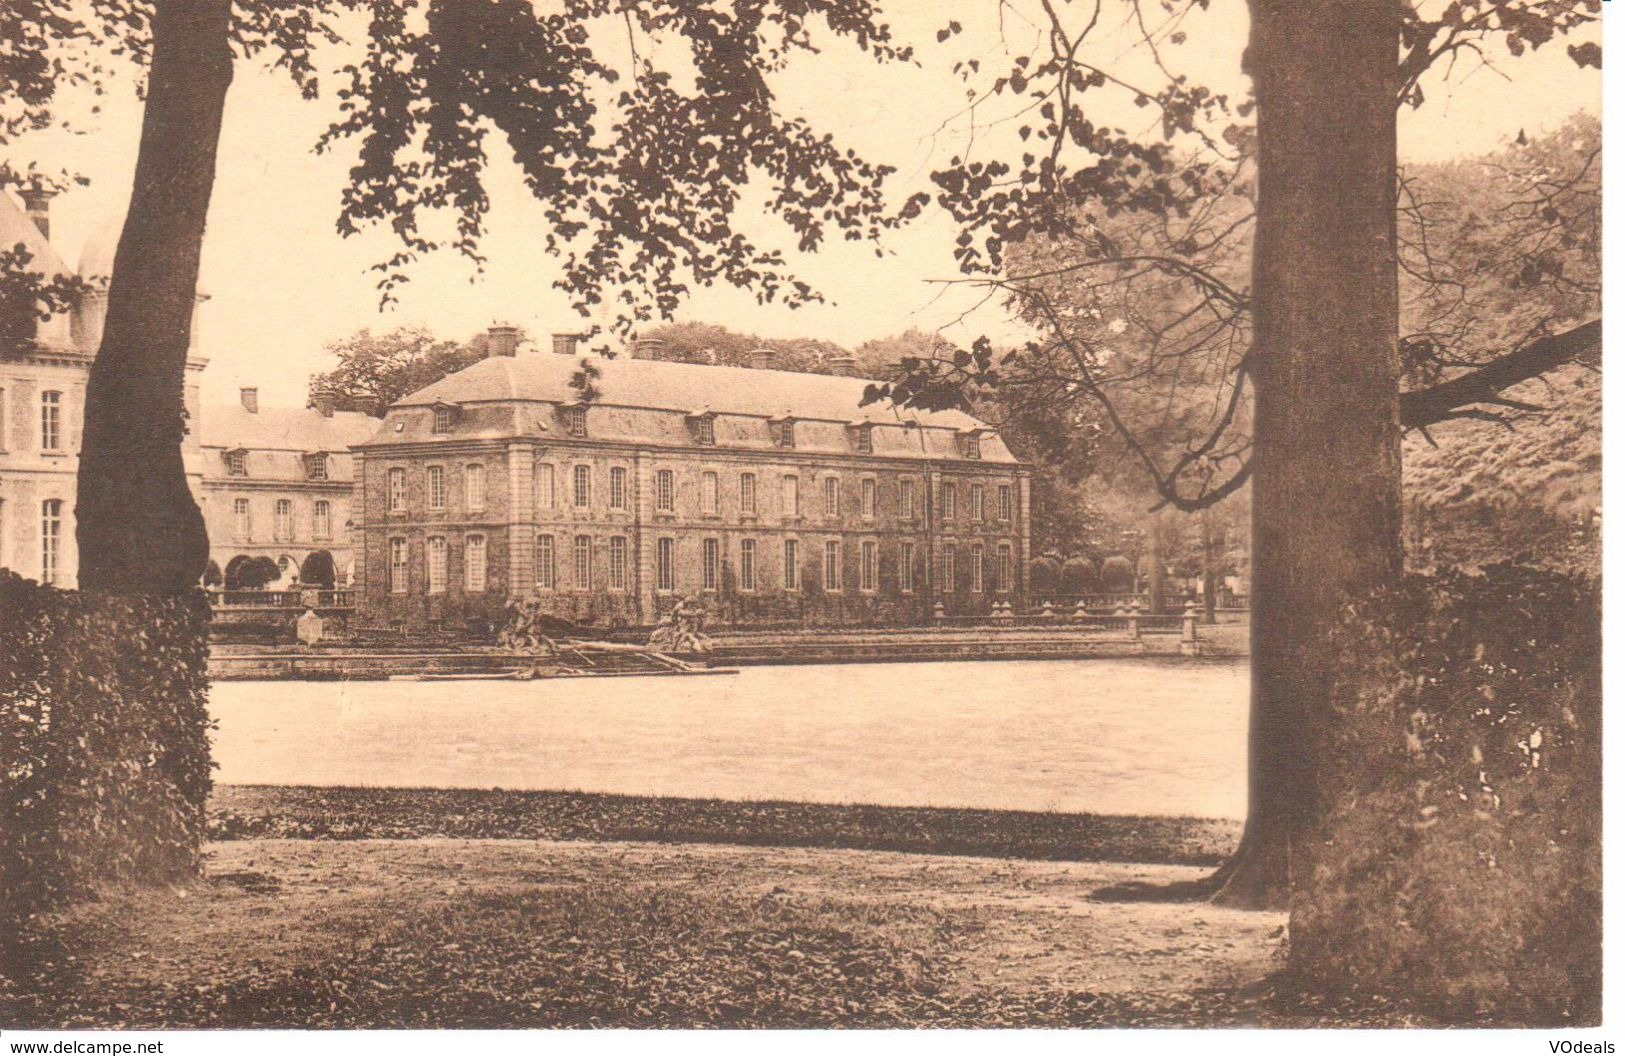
(1483, 385)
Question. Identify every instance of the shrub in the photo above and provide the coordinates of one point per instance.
(1043, 574)
(1457, 861)
(1078, 576)
(104, 743)
(1117, 574)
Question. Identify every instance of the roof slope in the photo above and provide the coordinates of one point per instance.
(231, 425)
(685, 387)
(15, 227)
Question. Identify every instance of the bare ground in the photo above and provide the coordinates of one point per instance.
(446, 932)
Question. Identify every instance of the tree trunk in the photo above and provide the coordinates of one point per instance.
(139, 529)
(1154, 573)
(1326, 483)
(1210, 571)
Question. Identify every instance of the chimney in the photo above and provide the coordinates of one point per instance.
(251, 400)
(323, 401)
(763, 358)
(842, 363)
(566, 344)
(37, 202)
(648, 348)
(503, 340)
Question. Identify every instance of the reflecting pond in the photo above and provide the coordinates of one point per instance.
(1136, 736)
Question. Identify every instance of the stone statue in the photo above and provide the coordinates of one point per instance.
(681, 629)
(522, 633)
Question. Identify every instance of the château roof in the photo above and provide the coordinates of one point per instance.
(15, 227)
(686, 387)
(231, 425)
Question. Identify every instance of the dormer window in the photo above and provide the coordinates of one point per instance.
(237, 463)
(575, 418)
(705, 428)
(863, 439)
(445, 416)
(970, 443)
(784, 431)
(316, 466)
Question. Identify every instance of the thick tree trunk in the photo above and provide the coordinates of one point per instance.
(1326, 481)
(139, 529)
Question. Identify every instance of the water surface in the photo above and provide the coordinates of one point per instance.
(1108, 736)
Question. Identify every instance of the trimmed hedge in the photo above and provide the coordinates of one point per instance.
(104, 743)
(1458, 861)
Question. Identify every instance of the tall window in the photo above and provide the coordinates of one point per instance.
(706, 430)
(976, 502)
(2, 419)
(617, 562)
(664, 577)
(978, 569)
(474, 564)
(575, 420)
(710, 562)
(545, 499)
(832, 566)
(437, 564)
(747, 564)
(50, 539)
(792, 495)
(617, 487)
(237, 463)
(865, 439)
(397, 490)
(1002, 571)
(747, 494)
(437, 487)
(948, 571)
(905, 500)
(239, 519)
(905, 568)
(50, 420)
(284, 520)
(868, 498)
(544, 562)
(474, 487)
(583, 487)
(321, 519)
(665, 497)
(832, 497)
(1004, 502)
(868, 572)
(710, 500)
(971, 445)
(785, 433)
(316, 467)
(792, 565)
(583, 562)
(397, 566)
(442, 419)
(948, 502)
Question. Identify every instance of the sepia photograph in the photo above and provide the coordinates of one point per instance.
(801, 515)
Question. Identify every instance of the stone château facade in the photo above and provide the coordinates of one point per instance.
(608, 488)
(271, 482)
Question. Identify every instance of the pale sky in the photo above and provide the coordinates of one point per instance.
(283, 283)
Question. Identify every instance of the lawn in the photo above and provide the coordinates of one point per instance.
(517, 933)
